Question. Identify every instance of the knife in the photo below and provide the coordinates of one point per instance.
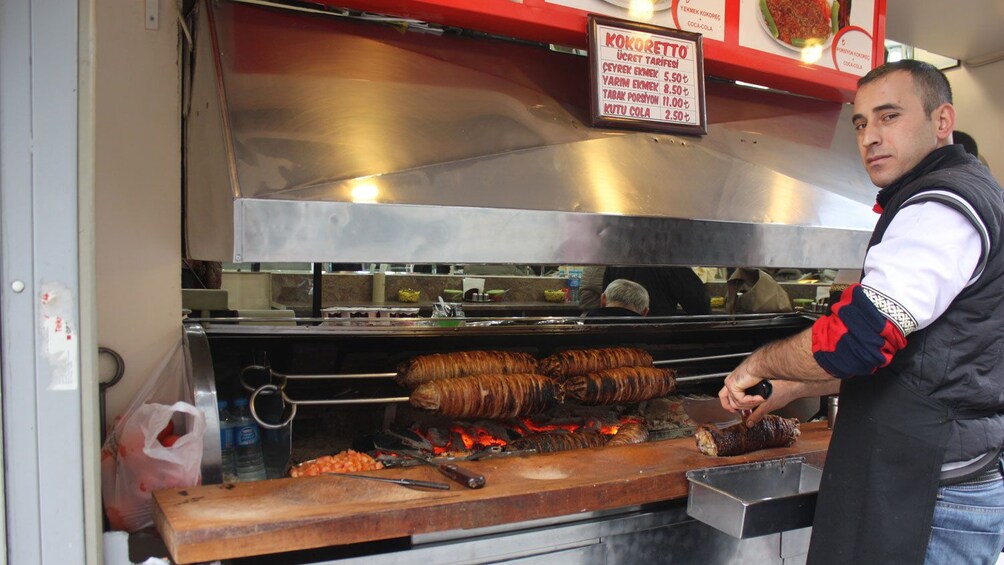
(468, 478)
(762, 388)
(405, 482)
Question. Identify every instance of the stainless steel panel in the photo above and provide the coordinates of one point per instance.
(755, 499)
(200, 366)
(652, 535)
(351, 141)
(295, 230)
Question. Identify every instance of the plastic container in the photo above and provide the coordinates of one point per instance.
(228, 447)
(276, 442)
(574, 285)
(250, 463)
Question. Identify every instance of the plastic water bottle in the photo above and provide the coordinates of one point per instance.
(275, 448)
(574, 284)
(228, 451)
(250, 465)
(275, 442)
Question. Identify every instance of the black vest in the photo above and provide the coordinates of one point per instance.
(959, 358)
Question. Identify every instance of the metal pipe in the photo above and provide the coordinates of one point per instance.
(695, 378)
(708, 358)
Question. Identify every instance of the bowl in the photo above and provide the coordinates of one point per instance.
(554, 295)
(452, 294)
(495, 295)
(408, 295)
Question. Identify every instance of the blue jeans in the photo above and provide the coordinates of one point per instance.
(968, 524)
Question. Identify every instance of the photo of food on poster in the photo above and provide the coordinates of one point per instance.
(706, 17)
(835, 34)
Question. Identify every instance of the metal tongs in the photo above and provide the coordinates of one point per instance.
(463, 476)
(404, 482)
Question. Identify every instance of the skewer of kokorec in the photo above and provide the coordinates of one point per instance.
(623, 385)
(630, 433)
(440, 366)
(550, 442)
(574, 362)
(487, 396)
(737, 439)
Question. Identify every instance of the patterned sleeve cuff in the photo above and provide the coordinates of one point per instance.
(857, 338)
(892, 310)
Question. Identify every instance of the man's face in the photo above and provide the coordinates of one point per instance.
(894, 133)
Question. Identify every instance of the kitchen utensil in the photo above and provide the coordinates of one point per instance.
(708, 410)
(404, 482)
(762, 388)
(451, 470)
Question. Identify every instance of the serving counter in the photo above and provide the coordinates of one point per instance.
(233, 520)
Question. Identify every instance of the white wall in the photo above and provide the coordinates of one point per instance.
(137, 188)
(979, 103)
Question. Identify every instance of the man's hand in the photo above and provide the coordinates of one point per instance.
(790, 367)
(733, 395)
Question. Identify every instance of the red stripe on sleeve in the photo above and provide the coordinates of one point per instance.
(894, 341)
(828, 330)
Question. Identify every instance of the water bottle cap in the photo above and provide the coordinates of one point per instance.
(240, 402)
(221, 404)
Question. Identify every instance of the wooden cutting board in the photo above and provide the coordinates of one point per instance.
(212, 522)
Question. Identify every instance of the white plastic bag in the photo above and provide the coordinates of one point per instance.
(141, 464)
(135, 461)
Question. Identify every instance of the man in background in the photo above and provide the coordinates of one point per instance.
(667, 287)
(621, 298)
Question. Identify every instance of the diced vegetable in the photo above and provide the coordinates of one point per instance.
(768, 18)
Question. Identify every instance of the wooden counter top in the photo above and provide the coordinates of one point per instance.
(224, 521)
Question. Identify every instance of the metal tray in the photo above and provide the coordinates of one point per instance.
(755, 499)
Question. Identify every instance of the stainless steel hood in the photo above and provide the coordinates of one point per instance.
(319, 138)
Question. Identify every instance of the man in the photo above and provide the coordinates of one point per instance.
(916, 349)
(667, 287)
(621, 298)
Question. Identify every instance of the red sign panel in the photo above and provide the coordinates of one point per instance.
(814, 47)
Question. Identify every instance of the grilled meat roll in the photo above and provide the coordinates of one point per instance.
(558, 441)
(634, 432)
(737, 439)
(437, 366)
(574, 362)
(621, 386)
(487, 396)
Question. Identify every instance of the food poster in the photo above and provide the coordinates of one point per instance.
(835, 34)
(706, 17)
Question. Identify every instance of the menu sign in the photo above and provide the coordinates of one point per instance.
(646, 77)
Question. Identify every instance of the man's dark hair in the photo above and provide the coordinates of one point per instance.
(933, 85)
(967, 142)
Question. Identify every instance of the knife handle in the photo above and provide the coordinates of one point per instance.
(762, 388)
(462, 476)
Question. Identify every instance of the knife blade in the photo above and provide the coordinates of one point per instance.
(704, 409)
(404, 482)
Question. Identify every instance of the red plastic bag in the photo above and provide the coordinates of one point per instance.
(134, 462)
